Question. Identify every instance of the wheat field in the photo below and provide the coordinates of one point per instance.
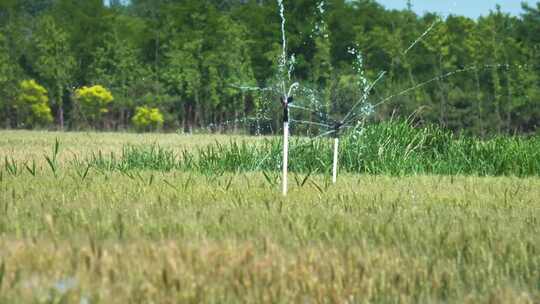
(76, 234)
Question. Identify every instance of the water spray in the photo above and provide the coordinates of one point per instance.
(367, 88)
(286, 88)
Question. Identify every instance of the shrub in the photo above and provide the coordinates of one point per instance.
(93, 102)
(32, 104)
(147, 118)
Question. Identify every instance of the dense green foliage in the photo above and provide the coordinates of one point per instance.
(32, 104)
(184, 57)
(93, 102)
(147, 118)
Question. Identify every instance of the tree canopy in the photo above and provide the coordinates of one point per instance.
(183, 59)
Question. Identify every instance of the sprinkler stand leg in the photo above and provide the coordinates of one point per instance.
(335, 166)
(285, 156)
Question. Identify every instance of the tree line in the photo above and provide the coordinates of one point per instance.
(174, 64)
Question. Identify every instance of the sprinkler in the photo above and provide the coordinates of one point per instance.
(285, 102)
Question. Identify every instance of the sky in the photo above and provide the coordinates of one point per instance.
(470, 8)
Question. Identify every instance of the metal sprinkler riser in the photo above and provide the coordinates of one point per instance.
(285, 101)
(285, 105)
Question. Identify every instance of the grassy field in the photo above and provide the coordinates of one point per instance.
(77, 234)
(33, 145)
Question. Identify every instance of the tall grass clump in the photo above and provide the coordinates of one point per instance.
(395, 148)
(389, 148)
(151, 157)
(234, 157)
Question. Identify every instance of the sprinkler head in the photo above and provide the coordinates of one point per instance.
(337, 128)
(286, 107)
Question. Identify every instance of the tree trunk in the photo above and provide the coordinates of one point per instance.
(189, 117)
(60, 103)
(61, 116)
(235, 121)
(509, 96)
(443, 95)
(497, 100)
(479, 107)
